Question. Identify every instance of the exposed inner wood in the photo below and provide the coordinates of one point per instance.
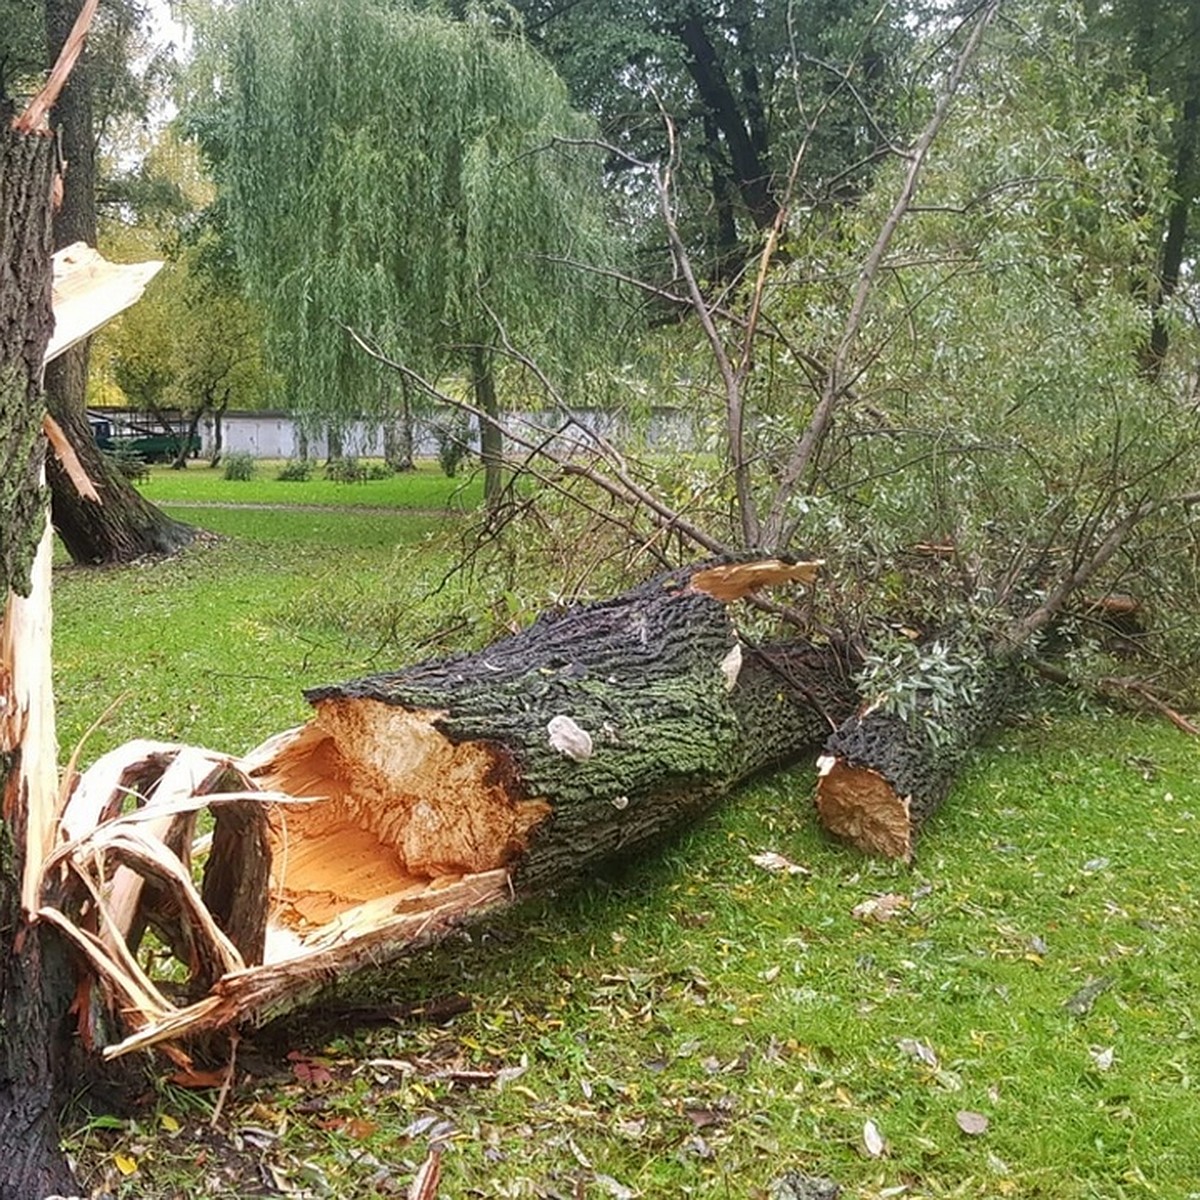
(733, 581)
(398, 805)
(27, 719)
(861, 807)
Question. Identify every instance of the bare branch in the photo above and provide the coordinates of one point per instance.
(778, 530)
(618, 484)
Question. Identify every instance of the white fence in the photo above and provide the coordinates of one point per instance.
(276, 435)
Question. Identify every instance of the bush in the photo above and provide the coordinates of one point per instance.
(295, 470)
(240, 467)
(380, 470)
(453, 443)
(128, 463)
(345, 470)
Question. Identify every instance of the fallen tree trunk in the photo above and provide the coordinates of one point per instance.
(417, 800)
(883, 775)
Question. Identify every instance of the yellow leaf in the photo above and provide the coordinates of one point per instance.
(169, 1123)
(125, 1163)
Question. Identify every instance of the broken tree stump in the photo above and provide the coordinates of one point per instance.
(882, 776)
(420, 799)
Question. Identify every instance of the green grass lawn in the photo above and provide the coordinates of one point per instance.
(695, 1025)
(424, 488)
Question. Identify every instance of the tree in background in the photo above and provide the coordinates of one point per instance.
(192, 346)
(400, 174)
(124, 525)
(745, 86)
(1161, 43)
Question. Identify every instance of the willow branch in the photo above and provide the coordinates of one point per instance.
(778, 530)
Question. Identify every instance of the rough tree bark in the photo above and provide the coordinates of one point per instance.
(419, 800)
(124, 526)
(35, 983)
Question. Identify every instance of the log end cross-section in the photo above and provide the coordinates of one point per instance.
(859, 806)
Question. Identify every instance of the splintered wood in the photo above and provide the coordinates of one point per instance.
(338, 879)
(417, 800)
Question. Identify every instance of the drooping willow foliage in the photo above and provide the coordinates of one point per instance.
(415, 178)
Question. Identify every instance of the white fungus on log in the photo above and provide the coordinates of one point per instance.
(569, 738)
(731, 666)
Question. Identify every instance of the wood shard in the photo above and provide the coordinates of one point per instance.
(89, 291)
(859, 806)
(733, 581)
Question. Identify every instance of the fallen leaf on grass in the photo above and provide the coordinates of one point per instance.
(309, 1070)
(199, 1079)
(872, 1140)
(359, 1128)
(125, 1163)
(1102, 1057)
(1080, 1004)
(425, 1184)
(777, 864)
(613, 1187)
(919, 1051)
(880, 908)
(972, 1123)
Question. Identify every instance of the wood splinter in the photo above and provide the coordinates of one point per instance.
(420, 799)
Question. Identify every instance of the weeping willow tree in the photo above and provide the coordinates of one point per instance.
(420, 180)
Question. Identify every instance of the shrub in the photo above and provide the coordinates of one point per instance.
(295, 470)
(240, 467)
(345, 470)
(453, 443)
(128, 463)
(380, 470)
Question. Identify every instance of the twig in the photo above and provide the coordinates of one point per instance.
(227, 1083)
(1143, 690)
(778, 530)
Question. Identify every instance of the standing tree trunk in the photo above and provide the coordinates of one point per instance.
(125, 525)
(36, 984)
(398, 432)
(218, 429)
(491, 439)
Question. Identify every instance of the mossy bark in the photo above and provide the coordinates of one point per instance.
(659, 708)
(35, 986)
